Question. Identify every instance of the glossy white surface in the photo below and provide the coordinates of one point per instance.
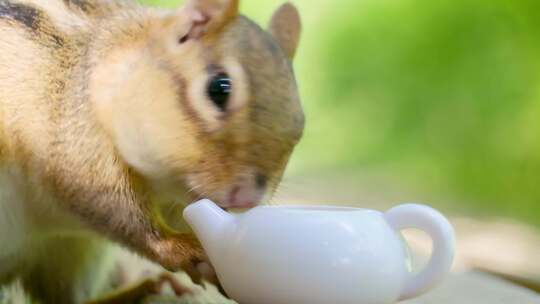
(319, 255)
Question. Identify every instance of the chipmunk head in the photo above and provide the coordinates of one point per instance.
(202, 97)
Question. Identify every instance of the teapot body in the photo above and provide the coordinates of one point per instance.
(321, 255)
(312, 255)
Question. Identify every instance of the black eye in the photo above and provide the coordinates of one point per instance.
(183, 39)
(219, 90)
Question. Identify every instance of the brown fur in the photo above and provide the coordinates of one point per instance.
(105, 123)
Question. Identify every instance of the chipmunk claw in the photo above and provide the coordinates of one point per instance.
(200, 271)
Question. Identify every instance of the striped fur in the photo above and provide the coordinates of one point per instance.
(34, 20)
(84, 5)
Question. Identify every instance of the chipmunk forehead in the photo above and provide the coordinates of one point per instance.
(246, 38)
(272, 84)
(273, 87)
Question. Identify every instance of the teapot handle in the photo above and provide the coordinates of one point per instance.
(441, 232)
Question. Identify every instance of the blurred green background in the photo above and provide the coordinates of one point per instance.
(436, 97)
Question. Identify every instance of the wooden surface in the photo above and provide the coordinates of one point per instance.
(477, 288)
(468, 288)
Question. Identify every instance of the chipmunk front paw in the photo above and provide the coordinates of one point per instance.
(176, 251)
(184, 252)
(200, 270)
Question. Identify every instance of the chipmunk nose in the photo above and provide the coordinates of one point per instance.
(261, 181)
(247, 195)
(244, 197)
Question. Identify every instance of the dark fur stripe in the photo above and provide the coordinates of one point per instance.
(26, 15)
(33, 19)
(83, 5)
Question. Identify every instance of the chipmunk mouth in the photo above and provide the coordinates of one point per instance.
(241, 193)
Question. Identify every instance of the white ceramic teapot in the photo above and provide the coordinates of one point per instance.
(320, 255)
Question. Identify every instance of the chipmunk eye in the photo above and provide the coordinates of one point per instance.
(219, 90)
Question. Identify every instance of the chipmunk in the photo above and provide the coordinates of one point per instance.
(112, 114)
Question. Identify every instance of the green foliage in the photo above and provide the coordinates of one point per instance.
(450, 88)
(443, 93)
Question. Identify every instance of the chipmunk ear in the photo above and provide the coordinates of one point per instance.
(286, 26)
(209, 16)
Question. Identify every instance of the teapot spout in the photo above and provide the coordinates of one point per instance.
(209, 222)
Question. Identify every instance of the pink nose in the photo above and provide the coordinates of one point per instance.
(244, 197)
